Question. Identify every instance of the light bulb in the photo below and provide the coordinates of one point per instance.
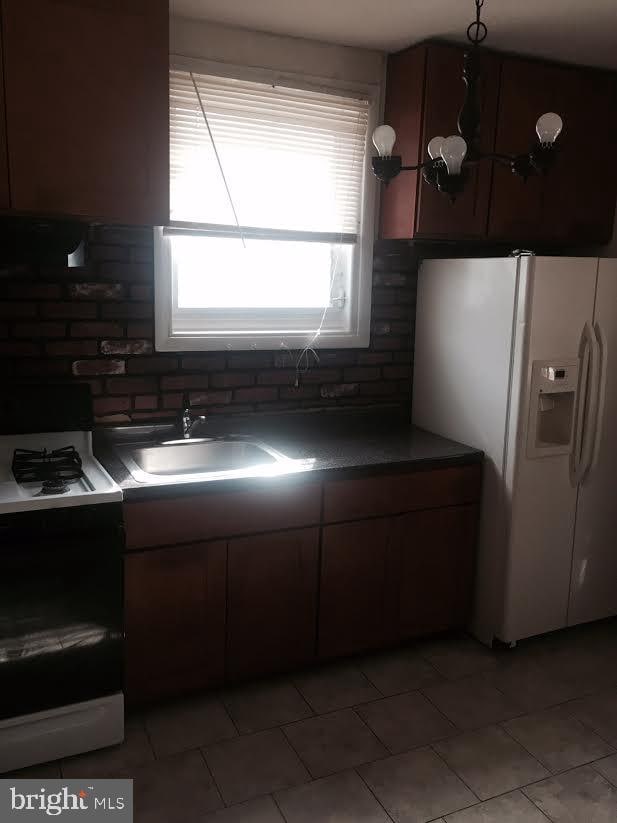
(453, 151)
(548, 127)
(434, 147)
(384, 138)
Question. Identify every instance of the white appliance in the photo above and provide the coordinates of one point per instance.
(516, 356)
(61, 539)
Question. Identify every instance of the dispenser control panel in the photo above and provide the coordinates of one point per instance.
(552, 407)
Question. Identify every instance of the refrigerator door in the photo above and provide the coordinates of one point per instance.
(468, 320)
(593, 593)
(543, 504)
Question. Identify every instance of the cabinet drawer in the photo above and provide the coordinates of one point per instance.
(355, 499)
(211, 515)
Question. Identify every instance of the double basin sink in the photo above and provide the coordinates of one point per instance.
(202, 459)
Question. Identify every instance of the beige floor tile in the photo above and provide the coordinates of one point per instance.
(335, 687)
(342, 798)
(458, 656)
(526, 682)
(490, 762)
(472, 702)
(511, 808)
(334, 742)
(608, 767)
(599, 712)
(188, 724)
(265, 705)
(259, 810)
(109, 762)
(416, 786)
(255, 764)
(406, 721)
(175, 789)
(403, 670)
(579, 796)
(557, 740)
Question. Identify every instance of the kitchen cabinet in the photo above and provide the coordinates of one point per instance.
(572, 204)
(431, 567)
(271, 602)
(229, 585)
(174, 619)
(353, 587)
(392, 577)
(424, 94)
(87, 108)
(569, 203)
(4, 163)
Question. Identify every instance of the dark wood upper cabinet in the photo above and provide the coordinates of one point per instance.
(4, 163)
(424, 94)
(87, 108)
(574, 203)
(539, 208)
(271, 602)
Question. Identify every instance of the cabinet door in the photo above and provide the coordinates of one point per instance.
(4, 167)
(87, 108)
(431, 570)
(437, 216)
(353, 575)
(174, 619)
(542, 207)
(272, 602)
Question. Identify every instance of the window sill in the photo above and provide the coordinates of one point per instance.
(326, 340)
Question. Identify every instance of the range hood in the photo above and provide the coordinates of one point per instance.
(41, 240)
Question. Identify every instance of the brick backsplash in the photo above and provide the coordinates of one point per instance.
(95, 324)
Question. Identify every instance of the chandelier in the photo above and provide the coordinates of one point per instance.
(450, 158)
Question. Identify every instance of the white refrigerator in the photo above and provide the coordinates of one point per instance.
(517, 356)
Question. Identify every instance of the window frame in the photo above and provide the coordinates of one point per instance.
(357, 308)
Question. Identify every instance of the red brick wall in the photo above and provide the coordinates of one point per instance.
(96, 324)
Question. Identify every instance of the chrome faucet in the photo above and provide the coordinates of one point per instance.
(188, 423)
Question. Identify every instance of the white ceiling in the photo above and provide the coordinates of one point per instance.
(569, 30)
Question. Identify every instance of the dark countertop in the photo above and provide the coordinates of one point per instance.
(328, 443)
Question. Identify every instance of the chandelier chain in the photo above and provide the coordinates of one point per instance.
(477, 31)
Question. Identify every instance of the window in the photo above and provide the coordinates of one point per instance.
(270, 239)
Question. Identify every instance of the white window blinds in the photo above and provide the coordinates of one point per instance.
(293, 159)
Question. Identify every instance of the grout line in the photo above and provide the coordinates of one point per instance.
(454, 772)
(524, 747)
(211, 773)
(355, 770)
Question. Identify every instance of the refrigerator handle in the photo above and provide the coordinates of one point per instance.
(576, 455)
(591, 414)
(603, 354)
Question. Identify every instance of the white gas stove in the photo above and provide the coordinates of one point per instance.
(61, 594)
(52, 470)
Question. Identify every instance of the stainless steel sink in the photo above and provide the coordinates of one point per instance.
(202, 458)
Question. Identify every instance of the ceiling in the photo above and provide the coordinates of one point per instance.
(569, 30)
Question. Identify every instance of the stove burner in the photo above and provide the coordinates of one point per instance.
(54, 469)
(53, 487)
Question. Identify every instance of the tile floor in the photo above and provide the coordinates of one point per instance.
(442, 730)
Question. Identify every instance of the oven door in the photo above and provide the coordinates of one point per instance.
(60, 607)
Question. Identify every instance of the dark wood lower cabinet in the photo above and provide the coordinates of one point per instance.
(174, 620)
(388, 557)
(271, 602)
(432, 556)
(352, 590)
(392, 578)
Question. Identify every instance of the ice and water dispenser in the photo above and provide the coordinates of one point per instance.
(552, 413)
